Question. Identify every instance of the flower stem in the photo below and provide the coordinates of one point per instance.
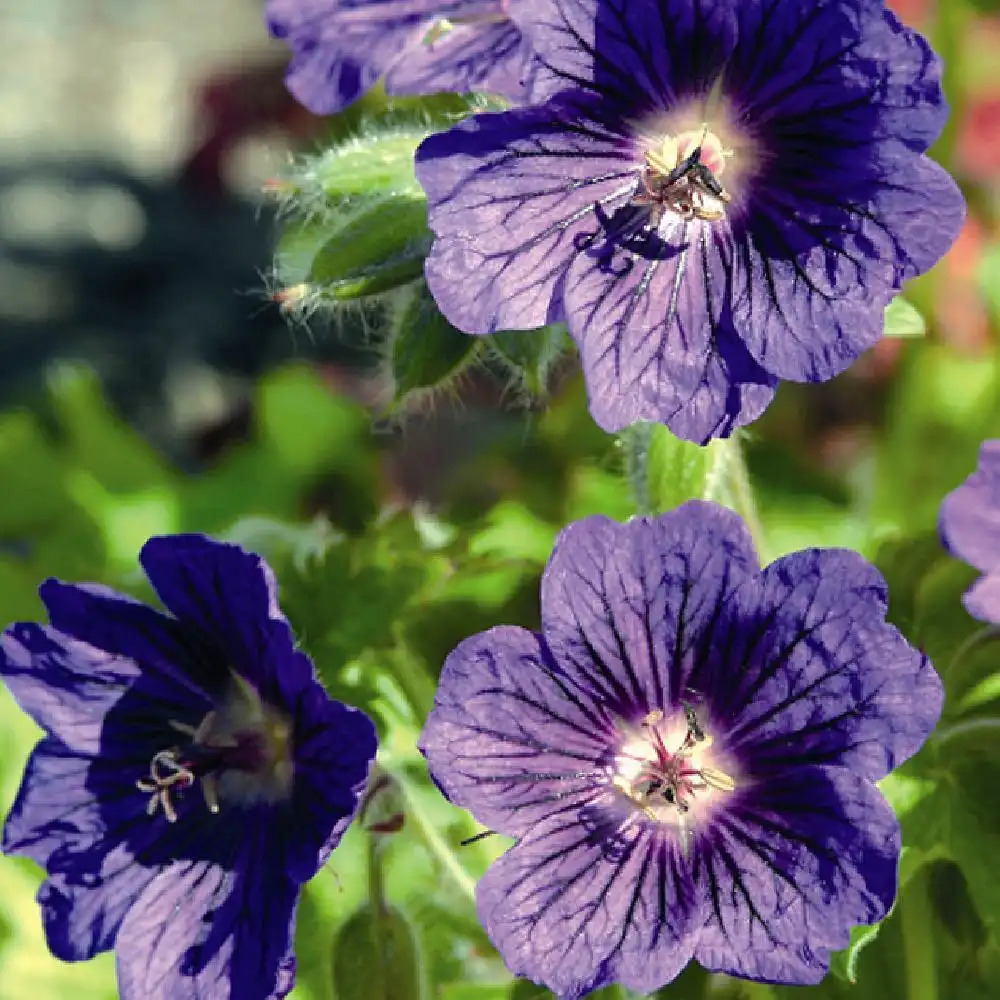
(918, 941)
(432, 839)
(734, 489)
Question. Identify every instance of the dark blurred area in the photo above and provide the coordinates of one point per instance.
(133, 236)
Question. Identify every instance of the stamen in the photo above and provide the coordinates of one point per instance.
(683, 183)
(165, 772)
(241, 752)
(668, 780)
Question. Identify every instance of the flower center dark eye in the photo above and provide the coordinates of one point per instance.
(241, 752)
(665, 772)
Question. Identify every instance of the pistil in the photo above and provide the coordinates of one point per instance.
(681, 176)
(665, 782)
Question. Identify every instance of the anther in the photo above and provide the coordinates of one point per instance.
(165, 773)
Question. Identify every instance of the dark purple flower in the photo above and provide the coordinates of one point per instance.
(341, 47)
(193, 774)
(685, 754)
(716, 195)
(970, 528)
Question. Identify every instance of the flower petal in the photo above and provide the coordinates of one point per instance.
(627, 609)
(582, 901)
(822, 678)
(510, 738)
(230, 597)
(334, 748)
(168, 655)
(790, 869)
(813, 269)
(341, 47)
(489, 57)
(637, 54)
(657, 340)
(68, 686)
(201, 930)
(857, 74)
(508, 195)
(970, 515)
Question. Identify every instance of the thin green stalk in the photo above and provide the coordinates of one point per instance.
(635, 442)
(432, 839)
(918, 941)
(737, 479)
(376, 927)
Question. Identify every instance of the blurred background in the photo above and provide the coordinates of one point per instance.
(150, 382)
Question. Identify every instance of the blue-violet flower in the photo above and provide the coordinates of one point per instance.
(193, 774)
(715, 195)
(969, 523)
(341, 47)
(685, 755)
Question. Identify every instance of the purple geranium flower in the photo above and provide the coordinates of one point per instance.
(970, 529)
(685, 754)
(341, 47)
(716, 195)
(194, 774)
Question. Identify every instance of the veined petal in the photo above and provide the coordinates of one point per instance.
(657, 340)
(167, 950)
(508, 195)
(858, 74)
(823, 678)
(814, 269)
(470, 57)
(334, 747)
(636, 52)
(341, 47)
(68, 686)
(510, 737)
(168, 655)
(230, 597)
(583, 901)
(789, 869)
(627, 608)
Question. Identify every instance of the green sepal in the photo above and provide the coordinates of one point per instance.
(530, 355)
(380, 237)
(375, 164)
(425, 351)
(376, 956)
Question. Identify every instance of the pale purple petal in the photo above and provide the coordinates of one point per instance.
(823, 678)
(626, 607)
(234, 945)
(970, 515)
(510, 738)
(581, 902)
(789, 869)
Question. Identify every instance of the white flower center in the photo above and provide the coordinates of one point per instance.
(667, 771)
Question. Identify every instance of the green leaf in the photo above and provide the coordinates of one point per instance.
(98, 441)
(307, 424)
(476, 991)
(903, 320)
